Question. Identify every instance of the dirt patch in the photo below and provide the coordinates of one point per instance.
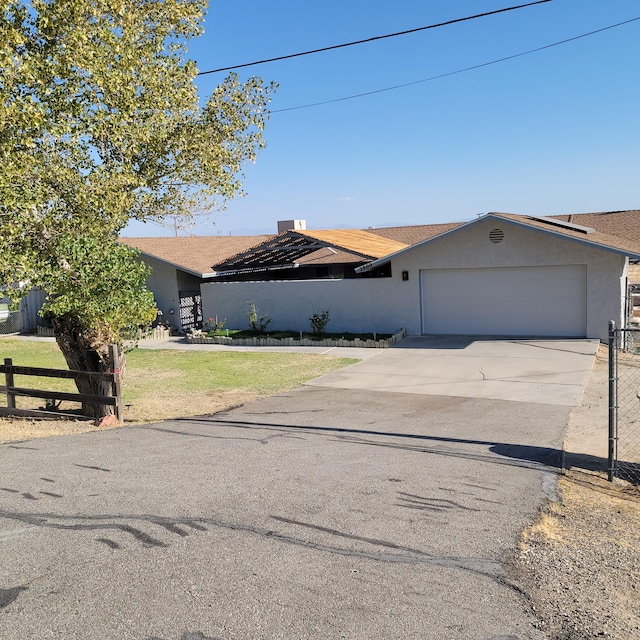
(580, 563)
(152, 409)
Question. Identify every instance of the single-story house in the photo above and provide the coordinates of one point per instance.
(182, 266)
(499, 274)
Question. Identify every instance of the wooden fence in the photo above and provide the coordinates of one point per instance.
(10, 370)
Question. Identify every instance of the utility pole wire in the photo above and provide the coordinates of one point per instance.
(453, 73)
(389, 35)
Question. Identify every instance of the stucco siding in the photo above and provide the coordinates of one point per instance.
(471, 247)
(388, 304)
(163, 282)
(358, 305)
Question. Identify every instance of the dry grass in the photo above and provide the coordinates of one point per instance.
(580, 562)
(547, 527)
(165, 384)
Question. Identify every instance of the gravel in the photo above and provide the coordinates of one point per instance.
(579, 564)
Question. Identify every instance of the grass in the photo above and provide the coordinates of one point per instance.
(162, 384)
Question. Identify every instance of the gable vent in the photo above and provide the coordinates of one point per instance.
(496, 235)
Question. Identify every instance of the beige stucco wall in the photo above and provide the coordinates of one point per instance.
(470, 247)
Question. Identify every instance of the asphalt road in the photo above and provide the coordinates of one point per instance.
(320, 513)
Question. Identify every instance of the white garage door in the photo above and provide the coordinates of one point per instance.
(527, 301)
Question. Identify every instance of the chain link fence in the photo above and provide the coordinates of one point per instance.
(10, 322)
(624, 404)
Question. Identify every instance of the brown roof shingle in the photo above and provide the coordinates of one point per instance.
(199, 254)
(622, 224)
(195, 253)
(413, 234)
(620, 242)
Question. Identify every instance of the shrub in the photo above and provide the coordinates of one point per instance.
(319, 322)
(256, 321)
(213, 324)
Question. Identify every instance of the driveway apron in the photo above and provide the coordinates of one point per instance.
(324, 512)
(542, 371)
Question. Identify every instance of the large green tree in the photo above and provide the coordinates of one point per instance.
(101, 123)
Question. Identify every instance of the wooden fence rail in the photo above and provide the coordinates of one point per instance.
(10, 370)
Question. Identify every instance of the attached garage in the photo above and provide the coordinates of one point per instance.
(527, 301)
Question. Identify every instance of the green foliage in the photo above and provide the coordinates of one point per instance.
(100, 123)
(214, 326)
(319, 322)
(257, 322)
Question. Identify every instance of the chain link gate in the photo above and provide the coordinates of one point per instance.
(624, 403)
(10, 322)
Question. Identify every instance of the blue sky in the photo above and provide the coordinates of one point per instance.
(547, 133)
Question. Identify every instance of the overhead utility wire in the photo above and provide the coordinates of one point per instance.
(452, 73)
(389, 35)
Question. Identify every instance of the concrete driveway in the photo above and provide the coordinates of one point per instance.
(319, 513)
(541, 371)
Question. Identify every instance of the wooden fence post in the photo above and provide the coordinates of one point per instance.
(11, 399)
(114, 354)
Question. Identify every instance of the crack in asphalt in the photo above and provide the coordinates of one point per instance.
(390, 553)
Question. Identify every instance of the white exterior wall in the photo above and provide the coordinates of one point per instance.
(385, 305)
(163, 281)
(360, 305)
(470, 247)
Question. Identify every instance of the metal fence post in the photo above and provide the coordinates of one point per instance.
(612, 401)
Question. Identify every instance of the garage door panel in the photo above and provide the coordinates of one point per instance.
(541, 301)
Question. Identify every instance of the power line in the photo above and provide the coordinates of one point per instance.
(452, 73)
(389, 35)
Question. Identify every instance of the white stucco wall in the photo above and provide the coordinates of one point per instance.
(388, 304)
(362, 305)
(163, 282)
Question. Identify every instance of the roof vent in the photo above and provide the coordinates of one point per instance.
(496, 235)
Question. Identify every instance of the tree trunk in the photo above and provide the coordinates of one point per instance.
(81, 355)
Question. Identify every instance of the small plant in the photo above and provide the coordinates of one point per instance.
(213, 324)
(257, 322)
(319, 322)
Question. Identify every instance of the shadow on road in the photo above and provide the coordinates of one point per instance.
(519, 454)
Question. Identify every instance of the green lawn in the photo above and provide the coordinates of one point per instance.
(160, 384)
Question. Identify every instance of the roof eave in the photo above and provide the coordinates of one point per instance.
(386, 259)
(585, 241)
(169, 262)
(496, 216)
(236, 272)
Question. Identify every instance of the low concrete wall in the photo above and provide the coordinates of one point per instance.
(302, 342)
